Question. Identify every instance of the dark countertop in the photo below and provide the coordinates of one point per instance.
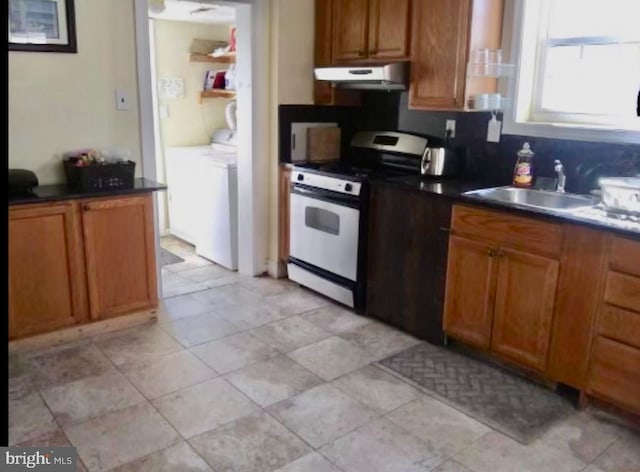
(454, 189)
(57, 192)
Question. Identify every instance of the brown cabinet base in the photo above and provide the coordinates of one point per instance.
(83, 331)
(76, 261)
(615, 373)
(501, 285)
(557, 299)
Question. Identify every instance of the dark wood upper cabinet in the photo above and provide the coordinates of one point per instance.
(439, 53)
(350, 30)
(443, 34)
(323, 41)
(389, 29)
(323, 92)
(370, 30)
(436, 36)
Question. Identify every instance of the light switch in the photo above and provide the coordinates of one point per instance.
(122, 99)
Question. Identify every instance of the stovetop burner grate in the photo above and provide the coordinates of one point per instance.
(357, 171)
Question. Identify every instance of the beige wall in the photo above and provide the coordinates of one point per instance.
(292, 43)
(60, 102)
(295, 38)
(189, 123)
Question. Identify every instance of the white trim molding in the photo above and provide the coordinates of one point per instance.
(145, 105)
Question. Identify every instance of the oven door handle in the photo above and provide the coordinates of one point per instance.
(326, 196)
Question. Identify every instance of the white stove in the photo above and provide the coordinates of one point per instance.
(328, 213)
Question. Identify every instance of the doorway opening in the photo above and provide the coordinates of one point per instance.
(196, 63)
(193, 65)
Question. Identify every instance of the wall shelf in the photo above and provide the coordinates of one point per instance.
(499, 104)
(217, 93)
(228, 58)
(490, 70)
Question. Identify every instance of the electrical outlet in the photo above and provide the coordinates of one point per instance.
(451, 126)
(493, 130)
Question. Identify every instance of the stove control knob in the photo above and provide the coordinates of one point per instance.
(300, 177)
(348, 187)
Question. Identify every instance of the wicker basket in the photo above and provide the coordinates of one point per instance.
(99, 176)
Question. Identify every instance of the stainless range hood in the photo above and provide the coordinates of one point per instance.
(393, 76)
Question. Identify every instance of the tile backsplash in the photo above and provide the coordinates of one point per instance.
(493, 163)
(489, 163)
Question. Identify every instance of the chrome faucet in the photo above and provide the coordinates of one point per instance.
(562, 178)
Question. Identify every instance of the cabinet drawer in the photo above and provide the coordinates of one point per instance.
(625, 255)
(621, 325)
(515, 231)
(615, 373)
(623, 290)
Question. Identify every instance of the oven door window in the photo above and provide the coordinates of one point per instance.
(322, 220)
(324, 234)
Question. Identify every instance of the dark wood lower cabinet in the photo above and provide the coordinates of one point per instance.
(407, 259)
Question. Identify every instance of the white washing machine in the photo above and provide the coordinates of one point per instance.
(203, 198)
(217, 229)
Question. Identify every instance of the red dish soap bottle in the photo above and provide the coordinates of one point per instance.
(523, 172)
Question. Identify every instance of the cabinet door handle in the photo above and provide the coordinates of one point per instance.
(445, 229)
(491, 253)
(499, 253)
(361, 53)
(86, 207)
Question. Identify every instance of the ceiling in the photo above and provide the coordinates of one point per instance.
(199, 12)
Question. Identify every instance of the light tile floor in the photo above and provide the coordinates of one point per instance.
(256, 374)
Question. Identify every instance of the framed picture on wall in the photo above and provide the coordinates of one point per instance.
(42, 26)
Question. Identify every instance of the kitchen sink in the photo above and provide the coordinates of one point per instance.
(547, 200)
